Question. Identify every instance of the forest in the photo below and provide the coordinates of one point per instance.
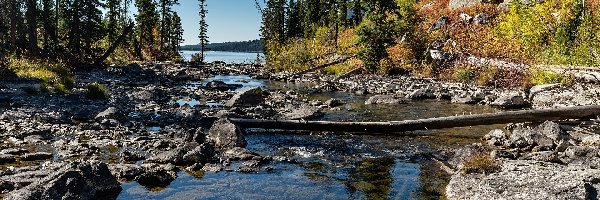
(48, 38)
(434, 38)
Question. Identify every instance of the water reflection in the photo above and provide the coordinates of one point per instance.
(372, 178)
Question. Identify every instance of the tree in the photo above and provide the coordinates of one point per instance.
(83, 24)
(147, 22)
(113, 19)
(166, 22)
(31, 15)
(176, 37)
(50, 39)
(203, 29)
(293, 22)
(273, 26)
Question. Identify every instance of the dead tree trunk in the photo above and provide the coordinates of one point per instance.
(321, 66)
(579, 112)
(116, 44)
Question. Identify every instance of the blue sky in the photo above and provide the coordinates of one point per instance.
(228, 20)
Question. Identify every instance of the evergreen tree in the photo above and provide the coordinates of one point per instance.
(50, 40)
(203, 29)
(166, 21)
(293, 22)
(113, 17)
(147, 22)
(176, 37)
(273, 27)
(31, 15)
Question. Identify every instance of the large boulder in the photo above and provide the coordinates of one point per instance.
(174, 156)
(220, 85)
(527, 179)
(225, 135)
(546, 136)
(247, 98)
(77, 180)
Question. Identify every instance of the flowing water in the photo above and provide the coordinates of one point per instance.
(327, 166)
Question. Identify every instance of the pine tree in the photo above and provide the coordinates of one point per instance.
(166, 21)
(113, 17)
(31, 15)
(147, 22)
(273, 26)
(176, 37)
(293, 22)
(203, 29)
(50, 39)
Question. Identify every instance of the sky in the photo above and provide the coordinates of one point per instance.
(228, 20)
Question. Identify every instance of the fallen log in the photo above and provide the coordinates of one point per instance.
(342, 60)
(114, 46)
(578, 112)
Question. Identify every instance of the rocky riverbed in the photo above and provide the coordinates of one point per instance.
(164, 118)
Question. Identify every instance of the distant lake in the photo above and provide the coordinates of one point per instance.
(228, 57)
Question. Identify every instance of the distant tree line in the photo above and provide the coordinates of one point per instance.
(78, 31)
(244, 46)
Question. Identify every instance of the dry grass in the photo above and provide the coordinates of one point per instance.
(480, 164)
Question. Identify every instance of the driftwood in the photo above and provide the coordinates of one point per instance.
(114, 46)
(579, 112)
(321, 66)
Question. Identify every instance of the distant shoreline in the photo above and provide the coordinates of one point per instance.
(251, 46)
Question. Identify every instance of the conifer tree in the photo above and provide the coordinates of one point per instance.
(203, 29)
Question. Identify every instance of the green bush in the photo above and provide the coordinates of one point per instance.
(96, 91)
(541, 76)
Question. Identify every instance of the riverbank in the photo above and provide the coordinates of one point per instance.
(160, 119)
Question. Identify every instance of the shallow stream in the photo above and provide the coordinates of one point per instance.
(328, 166)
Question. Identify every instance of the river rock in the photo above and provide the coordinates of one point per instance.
(384, 99)
(226, 135)
(126, 171)
(527, 179)
(468, 98)
(156, 178)
(423, 93)
(247, 98)
(546, 136)
(495, 137)
(110, 113)
(456, 4)
(333, 103)
(174, 156)
(303, 112)
(220, 85)
(510, 101)
(200, 154)
(77, 180)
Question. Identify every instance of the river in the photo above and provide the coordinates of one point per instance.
(326, 166)
(228, 57)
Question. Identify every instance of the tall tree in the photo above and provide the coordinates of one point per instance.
(293, 21)
(147, 22)
(50, 39)
(203, 29)
(31, 15)
(176, 37)
(273, 26)
(166, 21)
(113, 17)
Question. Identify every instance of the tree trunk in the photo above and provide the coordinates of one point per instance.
(116, 44)
(31, 14)
(577, 112)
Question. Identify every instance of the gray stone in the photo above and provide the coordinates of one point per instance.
(220, 85)
(495, 137)
(110, 113)
(424, 93)
(77, 180)
(481, 18)
(455, 4)
(510, 101)
(211, 167)
(465, 18)
(156, 178)
(592, 140)
(126, 171)
(200, 154)
(546, 136)
(384, 99)
(439, 23)
(247, 98)
(174, 156)
(333, 103)
(226, 135)
(303, 112)
(527, 179)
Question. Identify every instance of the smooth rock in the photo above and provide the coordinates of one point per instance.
(455, 4)
(247, 98)
(303, 112)
(77, 180)
(510, 101)
(226, 135)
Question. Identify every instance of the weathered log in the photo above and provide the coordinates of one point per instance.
(114, 46)
(321, 66)
(578, 112)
